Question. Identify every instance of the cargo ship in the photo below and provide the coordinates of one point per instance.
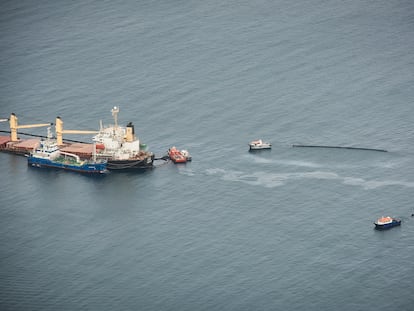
(115, 144)
(121, 148)
(48, 155)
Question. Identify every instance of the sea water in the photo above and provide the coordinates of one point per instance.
(285, 229)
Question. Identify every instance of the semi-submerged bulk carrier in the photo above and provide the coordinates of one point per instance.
(121, 148)
(117, 145)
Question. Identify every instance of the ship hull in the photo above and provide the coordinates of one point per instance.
(178, 159)
(89, 168)
(394, 223)
(260, 147)
(130, 165)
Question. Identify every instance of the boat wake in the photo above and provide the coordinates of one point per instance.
(272, 180)
(261, 160)
(298, 163)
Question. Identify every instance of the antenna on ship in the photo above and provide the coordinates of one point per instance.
(49, 133)
(115, 111)
(94, 152)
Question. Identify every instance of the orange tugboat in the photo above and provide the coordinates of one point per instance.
(177, 156)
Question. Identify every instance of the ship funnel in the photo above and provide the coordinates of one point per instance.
(130, 132)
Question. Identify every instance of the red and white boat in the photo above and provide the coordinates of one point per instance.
(178, 156)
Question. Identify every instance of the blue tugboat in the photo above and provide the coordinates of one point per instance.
(49, 155)
(386, 223)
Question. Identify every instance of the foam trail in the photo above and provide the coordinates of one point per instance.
(285, 162)
(298, 163)
(272, 180)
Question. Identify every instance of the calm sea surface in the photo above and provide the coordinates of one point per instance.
(286, 229)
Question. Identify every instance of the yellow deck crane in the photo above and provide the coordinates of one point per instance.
(60, 131)
(14, 126)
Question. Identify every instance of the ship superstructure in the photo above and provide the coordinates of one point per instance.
(121, 147)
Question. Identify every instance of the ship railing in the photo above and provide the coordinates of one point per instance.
(71, 155)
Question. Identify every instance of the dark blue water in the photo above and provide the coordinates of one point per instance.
(287, 229)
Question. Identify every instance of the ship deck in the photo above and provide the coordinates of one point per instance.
(25, 146)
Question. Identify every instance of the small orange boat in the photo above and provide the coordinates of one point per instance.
(176, 156)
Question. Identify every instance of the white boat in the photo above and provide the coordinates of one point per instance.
(387, 222)
(186, 154)
(259, 144)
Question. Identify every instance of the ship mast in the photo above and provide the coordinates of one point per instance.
(115, 111)
(60, 131)
(14, 126)
(49, 133)
(94, 152)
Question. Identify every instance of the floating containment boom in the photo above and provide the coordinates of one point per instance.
(339, 147)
